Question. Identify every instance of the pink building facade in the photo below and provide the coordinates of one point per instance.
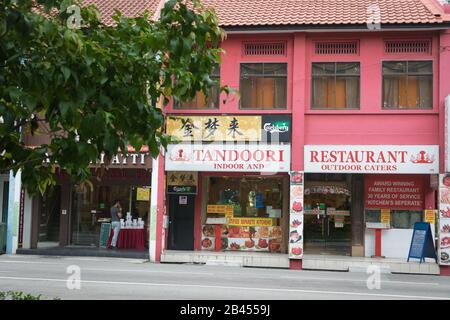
(364, 163)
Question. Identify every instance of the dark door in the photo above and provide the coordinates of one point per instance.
(181, 222)
(50, 215)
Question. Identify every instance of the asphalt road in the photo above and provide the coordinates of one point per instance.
(113, 278)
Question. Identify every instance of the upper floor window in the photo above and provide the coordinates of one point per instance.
(335, 85)
(263, 85)
(408, 84)
(202, 101)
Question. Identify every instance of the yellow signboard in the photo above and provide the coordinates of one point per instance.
(250, 222)
(215, 128)
(143, 194)
(179, 178)
(386, 216)
(429, 216)
(225, 209)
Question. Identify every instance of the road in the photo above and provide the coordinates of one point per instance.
(130, 279)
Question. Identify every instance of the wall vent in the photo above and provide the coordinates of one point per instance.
(265, 49)
(407, 46)
(336, 47)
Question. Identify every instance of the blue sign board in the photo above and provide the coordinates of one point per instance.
(422, 244)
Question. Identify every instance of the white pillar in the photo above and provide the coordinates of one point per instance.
(15, 186)
(153, 209)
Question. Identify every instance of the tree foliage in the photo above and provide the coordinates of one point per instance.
(94, 89)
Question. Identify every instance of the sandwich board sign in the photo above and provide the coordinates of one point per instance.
(422, 244)
(105, 231)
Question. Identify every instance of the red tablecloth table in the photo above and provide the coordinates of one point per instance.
(129, 239)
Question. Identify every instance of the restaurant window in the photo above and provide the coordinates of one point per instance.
(256, 221)
(335, 85)
(263, 85)
(203, 101)
(407, 84)
(400, 219)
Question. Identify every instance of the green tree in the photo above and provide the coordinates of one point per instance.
(93, 88)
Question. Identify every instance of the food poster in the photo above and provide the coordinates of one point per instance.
(238, 238)
(296, 215)
(444, 219)
(263, 239)
(208, 238)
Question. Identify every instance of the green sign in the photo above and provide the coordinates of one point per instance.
(105, 230)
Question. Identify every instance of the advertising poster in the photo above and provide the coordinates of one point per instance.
(444, 219)
(296, 215)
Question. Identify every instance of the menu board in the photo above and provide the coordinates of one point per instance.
(422, 244)
(296, 215)
(444, 219)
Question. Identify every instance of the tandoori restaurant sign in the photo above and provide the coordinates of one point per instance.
(394, 192)
(372, 158)
(228, 157)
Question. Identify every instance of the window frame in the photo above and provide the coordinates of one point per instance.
(176, 105)
(431, 107)
(263, 76)
(335, 75)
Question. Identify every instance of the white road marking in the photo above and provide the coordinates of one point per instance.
(148, 271)
(63, 262)
(363, 280)
(233, 288)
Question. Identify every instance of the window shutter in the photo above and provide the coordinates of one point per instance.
(336, 47)
(265, 49)
(407, 46)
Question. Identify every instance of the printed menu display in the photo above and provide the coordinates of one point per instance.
(238, 238)
(444, 219)
(296, 215)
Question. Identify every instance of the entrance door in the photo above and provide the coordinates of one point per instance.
(327, 232)
(49, 218)
(327, 219)
(181, 222)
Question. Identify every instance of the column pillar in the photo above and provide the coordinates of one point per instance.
(15, 186)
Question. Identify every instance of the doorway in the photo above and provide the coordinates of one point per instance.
(327, 220)
(49, 218)
(181, 222)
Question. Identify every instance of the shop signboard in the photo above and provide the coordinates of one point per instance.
(444, 219)
(421, 159)
(267, 128)
(182, 182)
(276, 128)
(221, 157)
(296, 215)
(250, 222)
(394, 192)
(215, 128)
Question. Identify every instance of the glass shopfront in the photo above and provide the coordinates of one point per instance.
(253, 212)
(91, 205)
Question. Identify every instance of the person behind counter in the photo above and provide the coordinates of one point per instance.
(116, 214)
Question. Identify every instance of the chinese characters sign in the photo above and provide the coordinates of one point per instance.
(182, 182)
(215, 128)
(270, 128)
